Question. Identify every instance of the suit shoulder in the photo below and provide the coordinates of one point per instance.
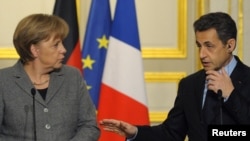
(6, 71)
(66, 69)
(195, 75)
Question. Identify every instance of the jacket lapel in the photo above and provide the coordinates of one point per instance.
(200, 88)
(22, 80)
(56, 81)
(239, 74)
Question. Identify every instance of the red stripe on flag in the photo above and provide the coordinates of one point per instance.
(114, 104)
(75, 57)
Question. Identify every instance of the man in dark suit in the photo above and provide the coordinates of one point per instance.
(223, 83)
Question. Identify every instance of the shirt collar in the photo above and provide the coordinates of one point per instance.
(230, 66)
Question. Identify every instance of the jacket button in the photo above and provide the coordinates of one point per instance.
(47, 126)
(46, 110)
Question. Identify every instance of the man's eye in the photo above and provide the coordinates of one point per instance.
(198, 46)
(209, 46)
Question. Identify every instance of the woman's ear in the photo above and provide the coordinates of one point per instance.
(34, 50)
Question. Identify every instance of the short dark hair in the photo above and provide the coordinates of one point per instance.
(223, 23)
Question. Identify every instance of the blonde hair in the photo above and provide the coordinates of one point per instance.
(35, 28)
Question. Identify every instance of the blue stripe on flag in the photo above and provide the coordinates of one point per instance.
(95, 46)
(125, 22)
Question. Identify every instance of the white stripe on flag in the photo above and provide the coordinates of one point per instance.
(129, 60)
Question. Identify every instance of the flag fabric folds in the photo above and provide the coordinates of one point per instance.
(66, 9)
(123, 94)
(95, 46)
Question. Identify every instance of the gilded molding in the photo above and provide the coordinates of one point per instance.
(172, 52)
(8, 53)
(157, 116)
(162, 77)
(240, 29)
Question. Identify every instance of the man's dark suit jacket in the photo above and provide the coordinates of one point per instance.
(185, 117)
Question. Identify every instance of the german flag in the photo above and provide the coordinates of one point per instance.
(66, 9)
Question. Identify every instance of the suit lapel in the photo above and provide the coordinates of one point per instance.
(56, 81)
(239, 74)
(200, 89)
(23, 81)
(20, 79)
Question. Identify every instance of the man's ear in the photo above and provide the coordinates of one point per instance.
(231, 45)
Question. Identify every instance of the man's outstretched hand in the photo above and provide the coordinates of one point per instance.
(120, 127)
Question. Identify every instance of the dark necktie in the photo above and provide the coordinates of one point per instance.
(211, 108)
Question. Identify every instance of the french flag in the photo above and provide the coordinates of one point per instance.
(123, 94)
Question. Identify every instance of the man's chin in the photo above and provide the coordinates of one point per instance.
(210, 68)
